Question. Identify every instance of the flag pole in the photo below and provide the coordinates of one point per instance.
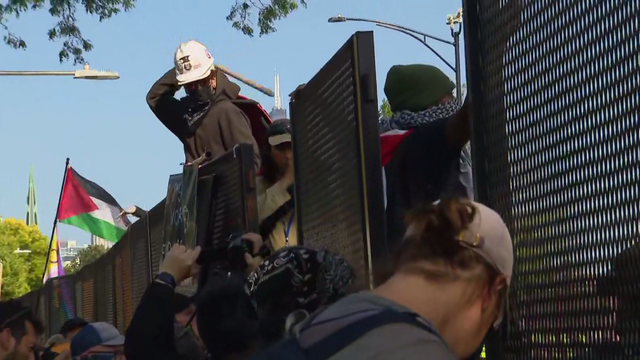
(53, 231)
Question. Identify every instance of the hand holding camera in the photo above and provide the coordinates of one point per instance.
(257, 243)
(180, 262)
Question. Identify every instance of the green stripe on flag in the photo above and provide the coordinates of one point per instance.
(95, 226)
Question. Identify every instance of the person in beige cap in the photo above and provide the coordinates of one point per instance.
(206, 119)
(275, 189)
(447, 288)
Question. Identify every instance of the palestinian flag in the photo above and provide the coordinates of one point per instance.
(389, 142)
(88, 206)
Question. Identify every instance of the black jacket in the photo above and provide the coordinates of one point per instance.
(217, 128)
(151, 332)
(423, 169)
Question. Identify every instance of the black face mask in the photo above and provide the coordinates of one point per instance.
(201, 94)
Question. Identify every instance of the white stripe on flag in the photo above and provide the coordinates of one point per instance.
(108, 213)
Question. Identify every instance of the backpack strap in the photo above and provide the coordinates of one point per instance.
(340, 339)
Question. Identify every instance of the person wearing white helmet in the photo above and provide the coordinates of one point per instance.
(206, 119)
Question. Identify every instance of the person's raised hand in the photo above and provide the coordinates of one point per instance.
(180, 262)
(128, 211)
(257, 242)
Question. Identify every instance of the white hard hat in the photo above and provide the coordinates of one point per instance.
(193, 62)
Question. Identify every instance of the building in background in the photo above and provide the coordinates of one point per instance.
(100, 241)
(32, 209)
(68, 250)
(277, 112)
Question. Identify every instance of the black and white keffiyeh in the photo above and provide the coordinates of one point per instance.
(405, 120)
(305, 278)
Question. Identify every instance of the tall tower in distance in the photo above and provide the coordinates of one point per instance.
(32, 209)
(277, 112)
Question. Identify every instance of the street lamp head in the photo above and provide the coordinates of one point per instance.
(336, 19)
(89, 74)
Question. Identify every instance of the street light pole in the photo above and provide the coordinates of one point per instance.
(456, 21)
(85, 74)
(452, 21)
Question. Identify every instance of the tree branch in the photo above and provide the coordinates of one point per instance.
(75, 45)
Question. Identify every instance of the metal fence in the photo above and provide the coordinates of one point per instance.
(110, 288)
(339, 197)
(556, 149)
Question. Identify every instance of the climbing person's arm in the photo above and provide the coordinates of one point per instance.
(166, 107)
(458, 129)
(151, 332)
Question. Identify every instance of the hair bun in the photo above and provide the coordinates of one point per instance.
(438, 226)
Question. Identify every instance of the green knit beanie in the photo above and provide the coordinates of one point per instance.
(416, 87)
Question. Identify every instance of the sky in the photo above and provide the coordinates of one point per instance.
(106, 127)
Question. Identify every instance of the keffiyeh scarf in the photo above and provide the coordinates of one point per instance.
(310, 277)
(405, 120)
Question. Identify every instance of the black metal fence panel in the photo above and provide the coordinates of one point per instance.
(127, 276)
(556, 148)
(338, 188)
(77, 285)
(88, 294)
(156, 231)
(61, 302)
(226, 206)
(101, 288)
(109, 277)
(140, 259)
(233, 197)
(118, 280)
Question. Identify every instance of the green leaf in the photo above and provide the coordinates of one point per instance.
(66, 29)
(385, 109)
(85, 257)
(246, 16)
(22, 272)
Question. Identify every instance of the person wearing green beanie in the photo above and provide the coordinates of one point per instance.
(423, 144)
(416, 87)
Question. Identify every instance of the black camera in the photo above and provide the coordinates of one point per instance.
(227, 255)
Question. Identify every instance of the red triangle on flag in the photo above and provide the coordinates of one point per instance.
(75, 200)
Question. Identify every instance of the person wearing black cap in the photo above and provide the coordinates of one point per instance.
(71, 327)
(275, 188)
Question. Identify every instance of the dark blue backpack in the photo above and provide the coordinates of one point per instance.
(330, 345)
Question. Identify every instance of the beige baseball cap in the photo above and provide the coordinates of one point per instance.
(489, 237)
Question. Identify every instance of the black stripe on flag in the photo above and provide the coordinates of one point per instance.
(94, 190)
